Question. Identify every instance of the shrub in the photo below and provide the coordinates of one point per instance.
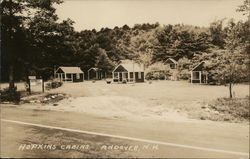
(156, 75)
(53, 85)
(149, 76)
(8, 95)
(184, 74)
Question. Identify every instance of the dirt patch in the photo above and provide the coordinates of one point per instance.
(47, 98)
(117, 107)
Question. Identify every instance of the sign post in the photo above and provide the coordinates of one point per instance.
(33, 81)
(31, 78)
(42, 85)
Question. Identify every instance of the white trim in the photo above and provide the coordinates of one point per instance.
(197, 65)
(172, 60)
(130, 138)
(116, 67)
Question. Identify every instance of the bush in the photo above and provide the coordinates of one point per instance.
(184, 75)
(156, 76)
(53, 85)
(8, 95)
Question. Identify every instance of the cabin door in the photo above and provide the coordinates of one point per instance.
(120, 76)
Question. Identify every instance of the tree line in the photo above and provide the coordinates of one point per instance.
(34, 41)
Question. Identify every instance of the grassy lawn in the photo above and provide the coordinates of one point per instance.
(236, 109)
(174, 100)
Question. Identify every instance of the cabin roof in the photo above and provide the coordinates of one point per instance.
(130, 66)
(94, 68)
(70, 69)
(196, 68)
(171, 60)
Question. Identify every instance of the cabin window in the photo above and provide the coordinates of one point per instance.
(115, 75)
(196, 75)
(172, 66)
(78, 76)
(68, 75)
(139, 75)
(131, 74)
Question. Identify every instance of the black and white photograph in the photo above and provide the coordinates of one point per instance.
(125, 79)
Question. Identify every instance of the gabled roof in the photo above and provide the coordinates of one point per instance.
(201, 63)
(172, 60)
(131, 67)
(94, 68)
(70, 69)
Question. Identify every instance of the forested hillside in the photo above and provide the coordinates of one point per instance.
(37, 43)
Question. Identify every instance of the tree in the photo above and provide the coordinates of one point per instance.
(184, 65)
(245, 7)
(230, 65)
(103, 62)
(217, 34)
(16, 15)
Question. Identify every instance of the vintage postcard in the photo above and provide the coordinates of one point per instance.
(125, 79)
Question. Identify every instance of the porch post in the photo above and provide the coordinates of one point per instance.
(128, 76)
(118, 76)
(96, 75)
(134, 76)
(206, 79)
(200, 77)
(88, 74)
(65, 77)
(72, 77)
(191, 76)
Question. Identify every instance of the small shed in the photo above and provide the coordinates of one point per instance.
(199, 74)
(128, 71)
(173, 64)
(96, 74)
(69, 74)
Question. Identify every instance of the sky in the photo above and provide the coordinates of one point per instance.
(95, 14)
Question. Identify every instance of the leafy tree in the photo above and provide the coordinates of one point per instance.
(16, 15)
(245, 7)
(217, 34)
(180, 41)
(230, 65)
(184, 65)
(103, 62)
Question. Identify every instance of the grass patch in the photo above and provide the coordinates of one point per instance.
(233, 110)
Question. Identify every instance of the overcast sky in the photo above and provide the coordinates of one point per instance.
(90, 14)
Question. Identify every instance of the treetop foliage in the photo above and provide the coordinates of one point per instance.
(34, 39)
